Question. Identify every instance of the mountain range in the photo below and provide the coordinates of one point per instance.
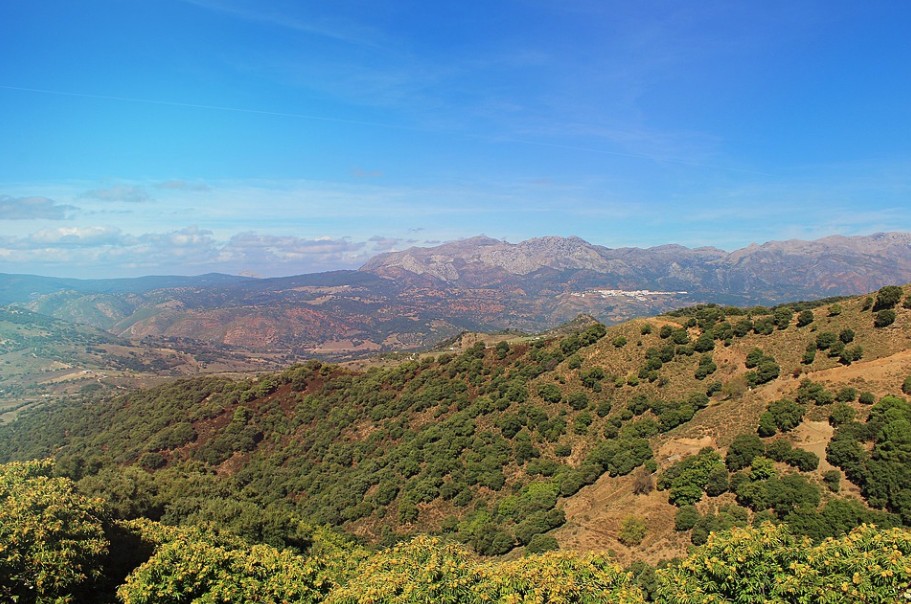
(771, 272)
(411, 299)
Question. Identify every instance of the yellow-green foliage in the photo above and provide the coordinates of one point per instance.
(561, 578)
(427, 569)
(194, 565)
(52, 542)
(51, 538)
(424, 569)
(768, 564)
(187, 569)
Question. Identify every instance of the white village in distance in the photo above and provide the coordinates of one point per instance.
(638, 294)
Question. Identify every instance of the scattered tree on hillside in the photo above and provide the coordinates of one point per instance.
(884, 318)
(887, 297)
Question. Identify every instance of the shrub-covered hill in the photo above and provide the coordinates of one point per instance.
(60, 546)
(491, 446)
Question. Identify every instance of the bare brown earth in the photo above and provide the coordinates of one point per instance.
(595, 514)
(887, 373)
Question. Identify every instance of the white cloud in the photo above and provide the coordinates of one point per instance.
(343, 31)
(31, 208)
(263, 251)
(77, 237)
(106, 251)
(386, 244)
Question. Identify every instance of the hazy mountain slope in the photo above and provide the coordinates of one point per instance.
(412, 299)
(769, 272)
(22, 288)
(43, 358)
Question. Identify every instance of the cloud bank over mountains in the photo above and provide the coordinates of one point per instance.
(190, 250)
(123, 228)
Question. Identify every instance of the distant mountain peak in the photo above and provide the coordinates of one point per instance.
(777, 269)
(481, 259)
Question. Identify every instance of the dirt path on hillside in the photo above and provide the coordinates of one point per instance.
(888, 371)
(814, 436)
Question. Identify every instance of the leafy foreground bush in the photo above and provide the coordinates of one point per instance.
(53, 546)
(187, 569)
(427, 569)
(769, 564)
(750, 565)
(51, 538)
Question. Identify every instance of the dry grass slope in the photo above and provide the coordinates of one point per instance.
(595, 514)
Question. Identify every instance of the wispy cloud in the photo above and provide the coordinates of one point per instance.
(119, 193)
(361, 173)
(388, 244)
(32, 208)
(334, 29)
(74, 237)
(182, 185)
(259, 250)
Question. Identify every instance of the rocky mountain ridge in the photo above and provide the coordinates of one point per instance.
(771, 271)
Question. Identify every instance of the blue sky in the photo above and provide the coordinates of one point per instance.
(281, 137)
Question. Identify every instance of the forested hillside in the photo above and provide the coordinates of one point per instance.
(643, 439)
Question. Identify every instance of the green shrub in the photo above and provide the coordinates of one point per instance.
(578, 401)
(810, 391)
(786, 414)
(841, 414)
(832, 480)
(809, 354)
(541, 543)
(846, 394)
(887, 297)
(550, 393)
(692, 476)
(884, 318)
(686, 518)
(632, 531)
(825, 339)
(743, 449)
